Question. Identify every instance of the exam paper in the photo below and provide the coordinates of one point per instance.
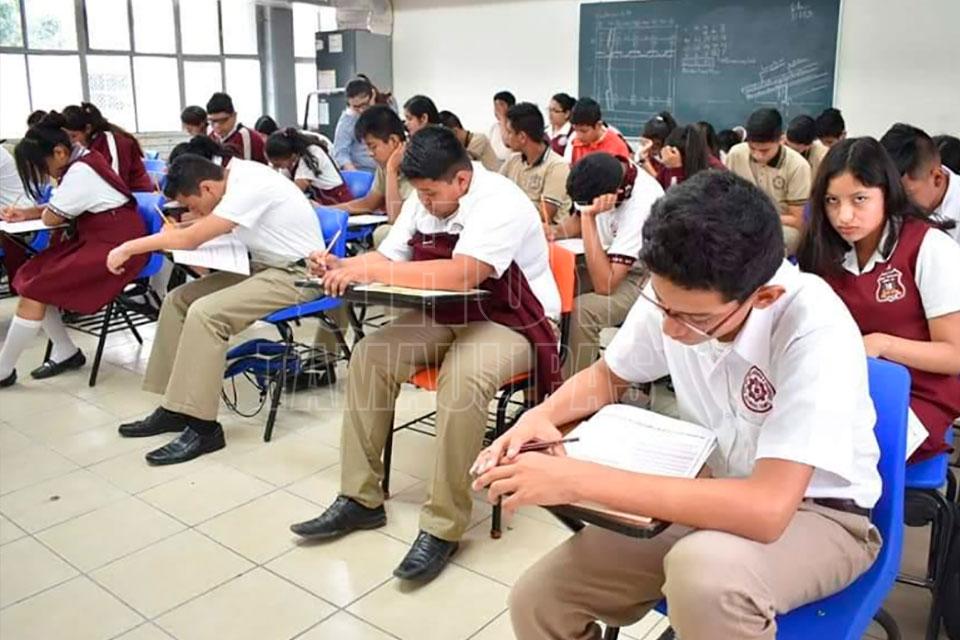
(573, 245)
(25, 226)
(366, 219)
(223, 253)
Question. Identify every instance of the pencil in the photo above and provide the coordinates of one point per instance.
(166, 220)
(333, 241)
(543, 211)
(541, 446)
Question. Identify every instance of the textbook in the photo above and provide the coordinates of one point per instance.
(573, 245)
(223, 253)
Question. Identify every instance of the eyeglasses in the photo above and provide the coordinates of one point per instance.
(219, 120)
(709, 333)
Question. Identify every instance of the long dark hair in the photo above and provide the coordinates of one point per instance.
(659, 126)
(78, 118)
(290, 141)
(203, 146)
(421, 106)
(35, 147)
(710, 137)
(692, 146)
(823, 248)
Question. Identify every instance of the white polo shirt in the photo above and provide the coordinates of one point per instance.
(327, 178)
(81, 190)
(621, 229)
(792, 385)
(950, 207)
(497, 225)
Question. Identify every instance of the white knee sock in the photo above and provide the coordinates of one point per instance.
(21, 334)
(53, 326)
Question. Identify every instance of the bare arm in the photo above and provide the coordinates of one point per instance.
(605, 275)
(51, 219)
(169, 239)
(940, 355)
(370, 202)
(569, 227)
(792, 216)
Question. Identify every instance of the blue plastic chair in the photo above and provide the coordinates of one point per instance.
(150, 154)
(154, 165)
(359, 182)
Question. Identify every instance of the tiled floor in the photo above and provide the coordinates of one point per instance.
(94, 544)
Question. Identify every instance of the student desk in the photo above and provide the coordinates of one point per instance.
(575, 518)
(17, 230)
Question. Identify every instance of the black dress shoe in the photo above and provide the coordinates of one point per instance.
(189, 445)
(9, 381)
(426, 558)
(50, 368)
(160, 421)
(342, 517)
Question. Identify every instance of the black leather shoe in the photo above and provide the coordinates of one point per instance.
(189, 445)
(160, 421)
(342, 517)
(50, 368)
(426, 558)
(10, 380)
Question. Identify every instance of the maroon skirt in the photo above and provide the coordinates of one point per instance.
(72, 274)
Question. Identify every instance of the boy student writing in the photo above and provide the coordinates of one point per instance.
(86, 126)
(896, 272)
(502, 101)
(278, 226)
(468, 228)
(245, 143)
(193, 120)
(778, 170)
(349, 151)
(592, 134)
(477, 145)
(831, 128)
(535, 167)
(930, 184)
(801, 136)
(783, 518)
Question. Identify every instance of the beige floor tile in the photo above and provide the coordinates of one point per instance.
(31, 465)
(170, 572)
(344, 626)
(524, 542)
(111, 379)
(96, 538)
(206, 493)
(286, 460)
(9, 531)
(78, 610)
(403, 512)
(61, 419)
(342, 570)
(27, 567)
(126, 403)
(102, 443)
(260, 530)
(131, 472)
(26, 400)
(499, 629)
(146, 631)
(53, 501)
(256, 606)
(452, 607)
(12, 440)
(325, 426)
(323, 487)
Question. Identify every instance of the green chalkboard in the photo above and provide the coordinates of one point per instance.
(714, 60)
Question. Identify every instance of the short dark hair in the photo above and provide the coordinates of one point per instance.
(949, 147)
(266, 125)
(764, 125)
(359, 87)
(565, 100)
(714, 231)
(594, 175)
(200, 145)
(36, 117)
(36, 145)
(586, 111)
(802, 130)
(420, 106)
(220, 102)
(505, 96)
(193, 115)
(912, 150)
(727, 139)
(830, 123)
(185, 174)
(450, 120)
(381, 122)
(434, 153)
(525, 117)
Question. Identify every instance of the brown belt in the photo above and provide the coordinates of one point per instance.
(842, 504)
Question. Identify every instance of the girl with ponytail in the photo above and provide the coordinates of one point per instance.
(684, 154)
(87, 126)
(302, 158)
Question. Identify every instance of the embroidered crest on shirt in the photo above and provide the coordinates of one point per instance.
(779, 182)
(890, 285)
(757, 392)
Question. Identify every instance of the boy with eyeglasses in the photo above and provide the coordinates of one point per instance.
(226, 129)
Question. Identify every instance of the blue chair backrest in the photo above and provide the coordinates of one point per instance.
(45, 192)
(147, 204)
(154, 164)
(150, 154)
(359, 182)
(331, 221)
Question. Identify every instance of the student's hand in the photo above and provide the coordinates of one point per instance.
(646, 144)
(533, 479)
(532, 427)
(601, 204)
(336, 281)
(670, 157)
(319, 262)
(550, 231)
(117, 257)
(876, 344)
(13, 214)
(349, 166)
(393, 162)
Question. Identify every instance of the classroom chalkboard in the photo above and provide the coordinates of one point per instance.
(714, 60)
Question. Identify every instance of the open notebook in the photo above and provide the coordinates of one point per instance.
(640, 441)
(224, 253)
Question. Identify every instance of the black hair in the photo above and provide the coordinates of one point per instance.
(764, 125)
(359, 87)
(420, 106)
(709, 136)
(912, 150)
(830, 123)
(78, 118)
(586, 111)
(659, 126)
(194, 115)
(185, 174)
(506, 97)
(565, 100)
(727, 139)
(692, 147)
(35, 147)
(802, 130)
(289, 142)
(949, 147)
(525, 117)
(822, 249)
(434, 153)
(594, 175)
(200, 145)
(450, 120)
(35, 117)
(381, 122)
(715, 232)
(266, 125)
(220, 102)
(382, 97)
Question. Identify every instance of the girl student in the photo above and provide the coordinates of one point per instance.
(655, 133)
(87, 126)
(71, 274)
(684, 153)
(418, 112)
(303, 159)
(559, 130)
(895, 269)
(205, 147)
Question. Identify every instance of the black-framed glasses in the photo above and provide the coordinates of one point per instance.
(709, 333)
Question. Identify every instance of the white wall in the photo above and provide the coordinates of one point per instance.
(898, 58)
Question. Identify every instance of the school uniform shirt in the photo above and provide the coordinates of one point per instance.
(785, 179)
(815, 155)
(546, 177)
(479, 149)
(496, 224)
(496, 141)
(124, 158)
(621, 229)
(379, 186)
(11, 187)
(610, 142)
(275, 222)
(327, 178)
(949, 209)
(245, 143)
(769, 393)
(346, 147)
(559, 138)
(81, 190)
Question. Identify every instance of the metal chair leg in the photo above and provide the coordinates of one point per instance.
(611, 633)
(107, 316)
(503, 401)
(387, 459)
(941, 540)
(130, 325)
(279, 380)
(888, 624)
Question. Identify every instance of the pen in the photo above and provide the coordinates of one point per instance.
(333, 241)
(541, 446)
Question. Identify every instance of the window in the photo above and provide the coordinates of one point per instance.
(197, 32)
(51, 24)
(153, 30)
(16, 97)
(11, 35)
(200, 81)
(158, 107)
(306, 23)
(103, 19)
(306, 82)
(111, 89)
(54, 81)
(239, 26)
(243, 85)
(328, 19)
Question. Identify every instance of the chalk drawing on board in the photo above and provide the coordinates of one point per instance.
(704, 51)
(786, 83)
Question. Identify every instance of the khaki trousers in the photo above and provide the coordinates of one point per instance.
(196, 322)
(717, 585)
(475, 360)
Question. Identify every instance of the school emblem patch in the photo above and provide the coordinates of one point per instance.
(779, 182)
(890, 285)
(757, 392)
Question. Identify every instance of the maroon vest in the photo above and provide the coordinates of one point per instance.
(511, 303)
(887, 300)
(101, 166)
(235, 142)
(130, 166)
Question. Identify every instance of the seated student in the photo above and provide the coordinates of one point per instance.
(477, 145)
(613, 199)
(535, 167)
(86, 126)
(70, 274)
(502, 101)
(265, 126)
(684, 153)
(226, 129)
(269, 215)
(783, 517)
(831, 128)
(949, 147)
(728, 138)
(652, 139)
(559, 130)
(205, 147)
(302, 158)
(469, 228)
(592, 134)
(801, 136)
(12, 196)
(928, 183)
(778, 170)
(896, 272)
(349, 151)
(379, 96)
(419, 112)
(710, 137)
(193, 120)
